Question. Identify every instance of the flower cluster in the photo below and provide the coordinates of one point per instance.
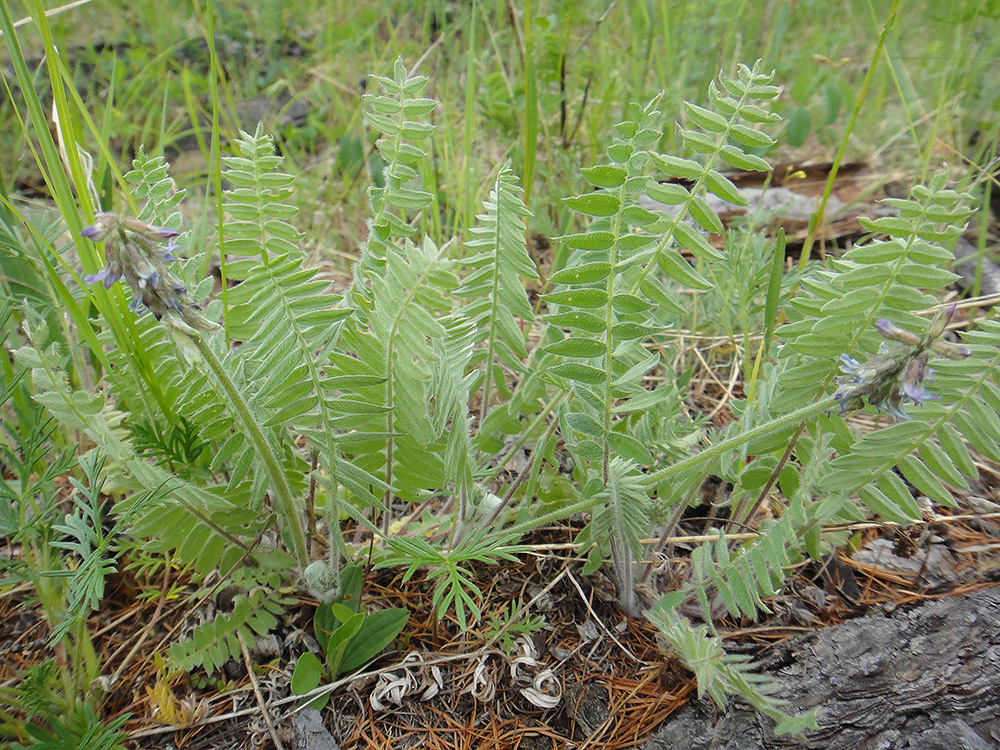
(134, 253)
(897, 373)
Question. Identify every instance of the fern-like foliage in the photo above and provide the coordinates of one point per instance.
(254, 613)
(404, 337)
(83, 533)
(721, 133)
(384, 387)
(453, 580)
(928, 451)
(721, 675)
(258, 203)
(498, 263)
(889, 279)
(155, 191)
(882, 279)
(451, 385)
(621, 512)
(392, 113)
(613, 296)
(602, 359)
(834, 475)
(198, 522)
(208, 528)
(285, 315)
(257, 398)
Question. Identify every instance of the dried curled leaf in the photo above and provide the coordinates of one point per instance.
(545, 690)
(483, 686)
(527, 658)
(413, 676)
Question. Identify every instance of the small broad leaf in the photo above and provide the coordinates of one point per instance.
(578, 297)
(678, 167)
(585, 273)
(891, 225)
(338, 641)
(629, 304)
(676, 267)
(585, 424)
(637, 215)
(704, 215)
(797, 724)
(594, 204)
(589, 240)
(691, 239)
(378, 631)
(954, 446)
(630, 331)
(308, 674)
(418, 107)
(741, 160)
(576, 347)
(753, 113)
(620, 152)
(604, 176)
(925, 277)
(631, 243)
(878, 502)
(628, 447)
(578, 372)
(667, 193)
(577, 319)
(723, 188)
(750, 137)
(897, 491)
(409, 200)
(588, 450)
(924, 480)
(705, 118)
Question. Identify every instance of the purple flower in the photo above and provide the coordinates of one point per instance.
(104, 224)
(890, 331)
(108, 275)
(913, 388)
(133, 254)
(895, 374)
(168, 252)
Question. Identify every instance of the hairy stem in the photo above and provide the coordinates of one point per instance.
(283, 500)
(804, 414)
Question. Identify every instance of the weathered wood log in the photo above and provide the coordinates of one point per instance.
(922, 676)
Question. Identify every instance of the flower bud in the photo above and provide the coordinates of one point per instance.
(103, 225)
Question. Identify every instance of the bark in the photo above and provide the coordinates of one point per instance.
(925, 676)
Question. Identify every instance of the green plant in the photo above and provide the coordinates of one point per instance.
(64, 559)
(396, 404)
(514, 621)
(347, 637)
(611, 299)
(454, 585)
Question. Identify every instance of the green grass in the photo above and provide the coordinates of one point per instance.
(932, 87)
